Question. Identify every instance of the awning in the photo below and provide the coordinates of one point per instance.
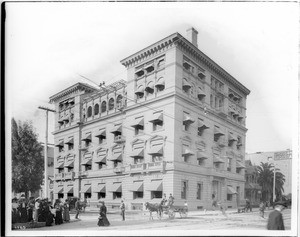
(66, 118)
(137, 153)
(202, 125)
(155, 185)
(101, 133)
(137, 187)
(117, 129)
(187, 152)
(138, 123)
(86, 189)
(71, 100)
(100, 188)
(186, 84)
(60, 190)
(60, 143)
(87, 137)
(218, 160)
(201, 155)
(239, 165)
(187, 119)
(61, 119)
(240, 116)
(70, 140)
(115, 187)
(69, 189)
(59, 165)
(100, 159)
(157, 150)
(160, 82)
(69, 163)
(218, 132)
(140, 90)
(87, 155)
(156, 117)
(86, 162)
(200, 92)
(116, 156)
(150, 87)
(231, 190)
(231, 138)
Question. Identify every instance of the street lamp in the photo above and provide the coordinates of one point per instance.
(274, 179)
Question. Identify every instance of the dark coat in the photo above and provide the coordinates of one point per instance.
(275, 221)
(103, 221)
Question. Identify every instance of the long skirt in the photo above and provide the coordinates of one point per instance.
(36, 214)
(30, 217)
(58, 218)
(15, 216)
(66, 214)
(104, 221)
(49, 219)
(23, 212)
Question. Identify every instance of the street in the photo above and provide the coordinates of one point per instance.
(196, 220)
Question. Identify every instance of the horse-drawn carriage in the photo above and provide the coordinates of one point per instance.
(169, 210)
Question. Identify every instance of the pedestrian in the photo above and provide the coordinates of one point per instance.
(49, 215)
(15, 212)
(164, 200)
(23, 209)
(262, 208)
(84, 204)
(171, 200)
(58, 212)
(102, 219)
(77, 208)
(122, 207)
(222, 209)
(186, 206)
(30, 208)
(214, 202)
(66, 211)
(275, 221)
(36, 209)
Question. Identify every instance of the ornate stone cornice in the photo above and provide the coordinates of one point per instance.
(72, 89)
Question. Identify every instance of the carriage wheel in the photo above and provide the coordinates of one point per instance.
(171, 214)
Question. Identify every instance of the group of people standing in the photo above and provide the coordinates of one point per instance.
(39, 210)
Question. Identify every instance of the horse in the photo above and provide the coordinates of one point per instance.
(154, 208)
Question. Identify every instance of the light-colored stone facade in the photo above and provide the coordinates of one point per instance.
(177, 125)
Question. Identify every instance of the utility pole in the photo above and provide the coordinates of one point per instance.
(46, 151)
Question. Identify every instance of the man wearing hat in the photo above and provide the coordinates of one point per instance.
(275, 221)
(36, 209)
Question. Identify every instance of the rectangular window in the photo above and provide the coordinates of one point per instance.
(229, 197)
(117, 195)
(137, 195)
(71, 146)
(199, 190)
(183, 189)
(88, 167)
(156, 194)
(60, 149)
(70, 169)
(157, 125)
(102, 139)
(101, 195)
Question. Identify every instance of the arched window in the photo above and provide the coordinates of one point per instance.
(89, 111)
(119, 100)
(103, 106)
(111, 104)
(96, 109)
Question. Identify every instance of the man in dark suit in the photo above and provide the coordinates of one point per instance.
(275, 221)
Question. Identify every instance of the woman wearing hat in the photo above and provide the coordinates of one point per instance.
(36, 209)
(102, 220)
(23, 209)
(66, 212)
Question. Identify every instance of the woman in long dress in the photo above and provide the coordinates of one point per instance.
(58, 214)
(66, 211)
(102, 220)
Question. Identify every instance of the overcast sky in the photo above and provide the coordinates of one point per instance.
(49, 44)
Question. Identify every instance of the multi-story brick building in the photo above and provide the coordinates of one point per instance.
(177, 125)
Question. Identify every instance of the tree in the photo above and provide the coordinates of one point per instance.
(27, 164)
(266, 179)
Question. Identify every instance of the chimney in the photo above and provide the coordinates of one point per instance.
(192, 36)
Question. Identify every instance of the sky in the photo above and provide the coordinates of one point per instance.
(50, 44)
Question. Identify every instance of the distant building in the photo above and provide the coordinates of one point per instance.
(177, 125)
(283, 162)
(252, 188)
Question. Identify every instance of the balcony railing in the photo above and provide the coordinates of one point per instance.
(137, 168)
(119, 139)
(69, 175)
(156, 166)
(59, 176)
(119, 169)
